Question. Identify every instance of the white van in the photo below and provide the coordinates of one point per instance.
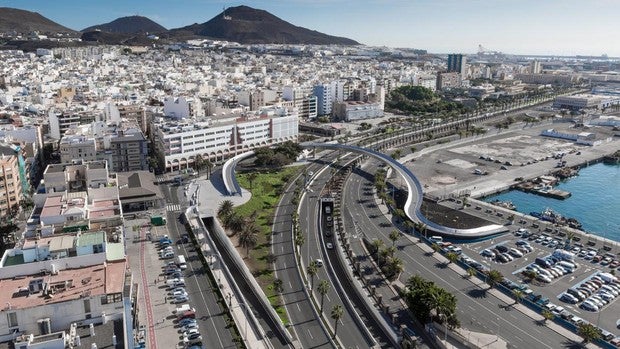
(181, 262)
(436, 239)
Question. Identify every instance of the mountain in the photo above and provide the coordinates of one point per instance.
(21, 21)
(247, 25)
(107, 38)
(129, 25)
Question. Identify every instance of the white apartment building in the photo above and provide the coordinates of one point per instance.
(354, 110)
(177, 143)
(181, 107)
(302, 99)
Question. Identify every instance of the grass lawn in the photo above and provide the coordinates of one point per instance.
(266, 189)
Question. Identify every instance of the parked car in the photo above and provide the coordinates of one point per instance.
(186, 321)
(569, 298)
(516, 253)
(586, 305)
(180, 298)
(487, 253)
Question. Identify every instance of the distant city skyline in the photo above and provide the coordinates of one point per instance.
(528, 27)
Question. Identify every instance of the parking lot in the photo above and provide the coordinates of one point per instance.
(161, 283)
(552, 282)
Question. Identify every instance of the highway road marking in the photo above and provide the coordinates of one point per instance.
(298, 307)
(310, 333)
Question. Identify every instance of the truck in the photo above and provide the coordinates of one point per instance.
(158, 220)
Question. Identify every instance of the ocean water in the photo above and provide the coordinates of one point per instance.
(595, 200)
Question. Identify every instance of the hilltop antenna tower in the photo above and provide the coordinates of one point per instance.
(228, 18)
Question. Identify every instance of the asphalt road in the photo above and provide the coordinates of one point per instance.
(210, 317)
(349, 333)
(306, 326)
(476, 310)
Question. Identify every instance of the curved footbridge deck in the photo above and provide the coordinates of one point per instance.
(414, 189)
(415, 195)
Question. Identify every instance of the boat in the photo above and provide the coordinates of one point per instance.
(550, 216)
(505, 204)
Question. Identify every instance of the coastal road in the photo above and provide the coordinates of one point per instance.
(477, 310)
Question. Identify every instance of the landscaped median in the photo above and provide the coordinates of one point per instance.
(251, 232)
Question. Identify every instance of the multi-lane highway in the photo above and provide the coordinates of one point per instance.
(477, 310)
(306, 326)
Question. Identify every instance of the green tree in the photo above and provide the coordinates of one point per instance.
(547, 315)
(394, 236)
(248, 237)
(435, 247)
(323, 289)
(518, 294)
(494, 277)
(376, 246)
(225, 209)
(452, 257)
(235, 223)
(312, 269)
(588, 332)
(300, 240)
(199, 163)
(471, 272)
(251, 178)
(336, 314)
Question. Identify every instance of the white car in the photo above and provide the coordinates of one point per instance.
(487, 253)
(515, 252)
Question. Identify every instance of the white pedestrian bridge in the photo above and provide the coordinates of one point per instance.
(414, 189)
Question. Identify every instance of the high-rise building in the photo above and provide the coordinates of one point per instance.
(535, 67)
(10, 180)
(324, 98)
(457, 63)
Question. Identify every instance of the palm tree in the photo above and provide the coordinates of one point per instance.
(278, 285)
(452, 257)
(336, 314)
(518, 294)
(394, 236)
(471, 271)
(323, 288)
(300, 240)
(235, 223)
(251, 178)
(209, 165)
(384, 254)
(225, 209)
(376, 245)
(589, 332)
(435, 247)
(547, 315)
(248, 237)
(312, 269)
(494, 277)
(395, 267)
(570, 235)
(199, 163)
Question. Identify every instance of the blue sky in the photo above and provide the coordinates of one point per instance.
(562, 27)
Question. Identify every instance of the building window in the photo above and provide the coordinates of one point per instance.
(12, 319)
